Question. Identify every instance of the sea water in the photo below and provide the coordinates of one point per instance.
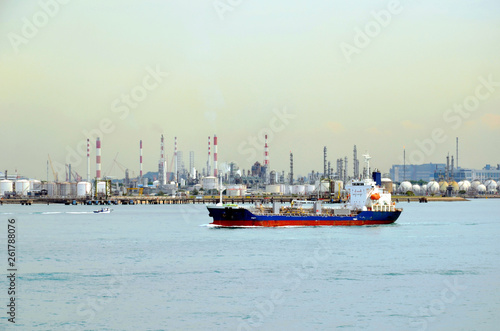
(162, 267)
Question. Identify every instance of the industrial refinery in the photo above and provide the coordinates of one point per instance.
(174, 179)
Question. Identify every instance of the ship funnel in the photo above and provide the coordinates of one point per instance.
(377, 178)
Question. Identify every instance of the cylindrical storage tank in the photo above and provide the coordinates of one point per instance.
(338, 186)
(5, 186)
(156, 183)
(101, 187)
(243, 189)
(432, 187)
(233, 190)
(64, 189)
(22, 187)
(481, 189)
(405, 187)
(324, 186)
(35, 185)
(387, 184)
(51, 189)
(83, 189)
(72, 189)
(299, 189)
(416, 189)
(273, 189)
(310, 188)
(209, 183)
(394, 187)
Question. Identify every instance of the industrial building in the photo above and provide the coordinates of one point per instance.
(416, 172)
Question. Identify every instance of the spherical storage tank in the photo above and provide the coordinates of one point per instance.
(405, 187)
(481, 188)
(83, 189)
(475, 184)
(443, 186)
(423, 189)
(491, 186)
(5, 186)
(454, 185)
(464, 185)
(22, 187)
(432, 187)
(416, 189)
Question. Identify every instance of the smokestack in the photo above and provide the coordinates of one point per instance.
(98, 158)
(355, 162)
(175, 159)
(452, 161)
(266, 153)
(215, 155)
(88, 160)
(69, 172)
(345, 169)
(162, 175)
(291, 168)
(457, 152)
(447, 174)
(208, 162)
(140, 161)
(324, 162)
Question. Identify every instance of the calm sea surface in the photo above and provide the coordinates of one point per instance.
(163, 268)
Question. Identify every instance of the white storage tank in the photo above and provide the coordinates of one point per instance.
(273, 189)
(475, 184)
(5, 186)
(299, 189)
(209, 183)
(387, 184)
(491, 186)
(35, 185)
(338, 186)
(310, 188)
(22, 187)
(83, 189)
(405, 187)
(416, 189)
(432, 187)
(324, 186)
(423, 189)
(481, 189)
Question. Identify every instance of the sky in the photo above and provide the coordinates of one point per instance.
(386, 76)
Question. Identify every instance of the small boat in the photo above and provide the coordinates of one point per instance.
(103, 211)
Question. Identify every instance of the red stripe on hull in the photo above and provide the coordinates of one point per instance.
(273, 223)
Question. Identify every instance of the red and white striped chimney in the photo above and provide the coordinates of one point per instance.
(208, 162)
(98, 158)
(266, 154)
(140, 160)
(88, 160)
(215, 155)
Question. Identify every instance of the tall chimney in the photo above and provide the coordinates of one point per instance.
(88, 160)
(140, 161)
(98, 158)
(208, 162)
(215, 156)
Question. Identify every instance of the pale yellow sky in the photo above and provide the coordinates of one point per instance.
(67, 69)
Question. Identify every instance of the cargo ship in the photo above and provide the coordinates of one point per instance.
(367, 204)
